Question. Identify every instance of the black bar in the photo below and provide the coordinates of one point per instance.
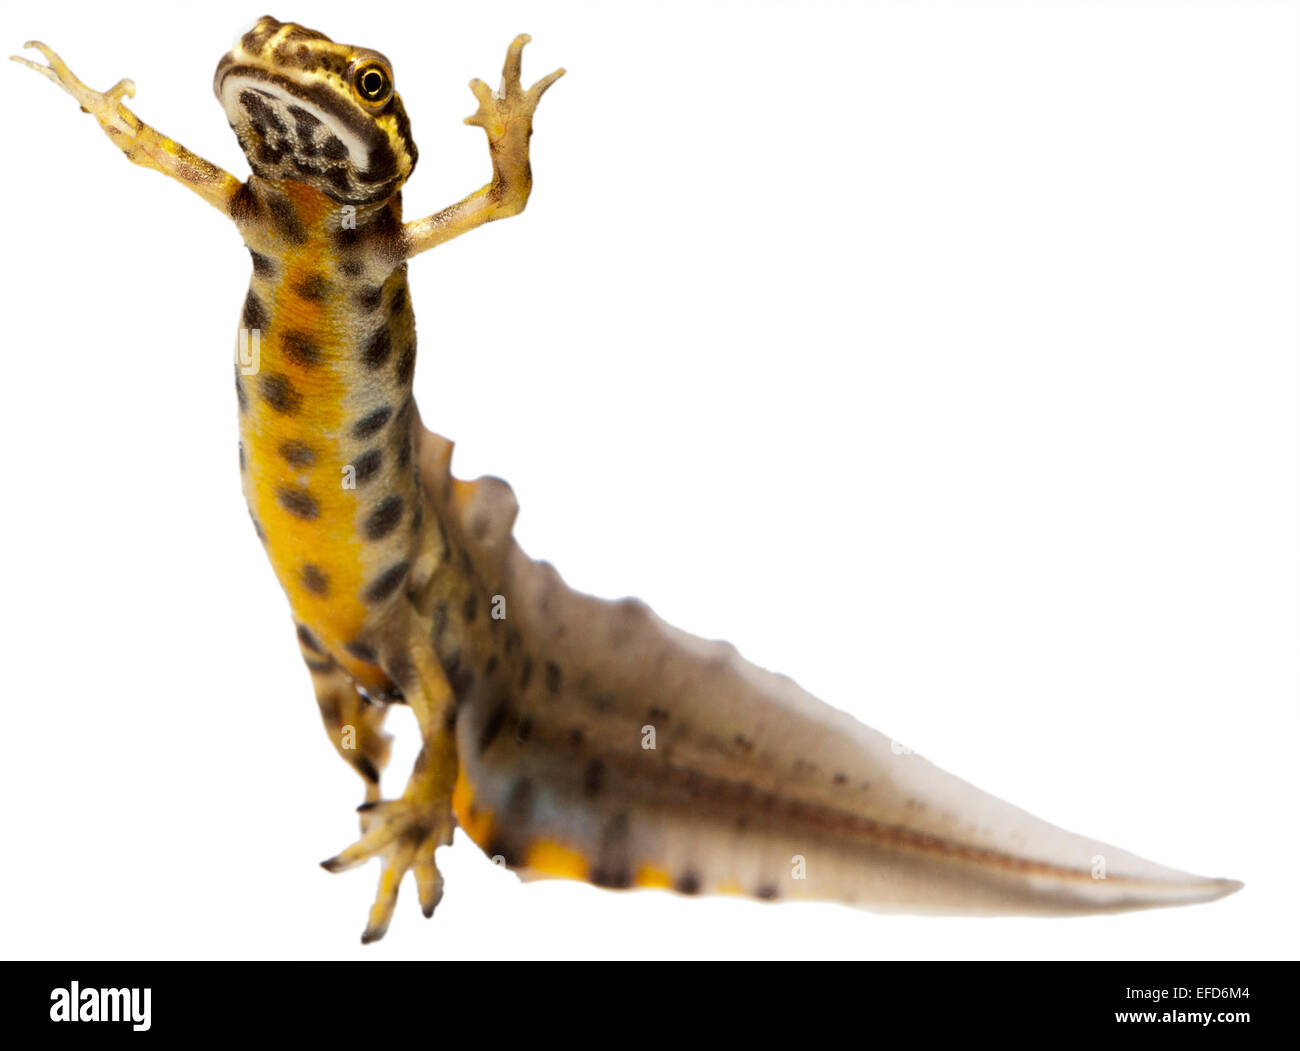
(573, 1004)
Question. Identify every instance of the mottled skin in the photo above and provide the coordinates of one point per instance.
(533, 721)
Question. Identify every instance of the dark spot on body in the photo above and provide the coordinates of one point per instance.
(313, 287)
(301, 349)
(254, 312)
(593, 778)
(766, 892)
(377, 349)
(262, 265)
(613, 867)
(509, 852)
(405, 369)
(308, 639)
(553, 680)
(286, 219)
(611, 878)
(362, 651)
(372, 424)
(297, 454)
(315, 579)
(304, 123)
(492, 725)
(338, 178)
(368, 299)
(386, 583)
(298, 502)
(460, 678)
(383, 519)
(525, 673)
(280, 394)
(470, 609)
(346, 236)
(367, 465)
(687, 883)
(269, 155)
(524, 730)
(243, 208)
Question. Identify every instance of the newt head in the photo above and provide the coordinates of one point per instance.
(312, 111)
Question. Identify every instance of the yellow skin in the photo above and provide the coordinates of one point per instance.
(533, 723)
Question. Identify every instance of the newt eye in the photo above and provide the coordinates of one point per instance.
(372, 82)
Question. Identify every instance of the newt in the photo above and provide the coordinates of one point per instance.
(568, 735)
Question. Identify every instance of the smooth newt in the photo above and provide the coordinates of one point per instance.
(569, 736)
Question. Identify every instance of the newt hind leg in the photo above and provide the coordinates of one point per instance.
(353, 722)
(406, 832)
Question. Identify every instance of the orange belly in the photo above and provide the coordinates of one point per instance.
(299, 424)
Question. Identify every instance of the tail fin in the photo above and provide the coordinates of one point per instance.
(619, 750)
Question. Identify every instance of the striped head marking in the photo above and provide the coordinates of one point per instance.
(308, 109)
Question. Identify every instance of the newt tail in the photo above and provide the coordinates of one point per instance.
(597, 742)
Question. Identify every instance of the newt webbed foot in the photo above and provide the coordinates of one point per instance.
(507, 116)
(106, 107)
(405, 833)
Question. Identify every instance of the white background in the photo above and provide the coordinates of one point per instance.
(942, 356)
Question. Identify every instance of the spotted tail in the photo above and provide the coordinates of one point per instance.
(600, 743)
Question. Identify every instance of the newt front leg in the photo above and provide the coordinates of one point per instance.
(506, 115)
(142, 144)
